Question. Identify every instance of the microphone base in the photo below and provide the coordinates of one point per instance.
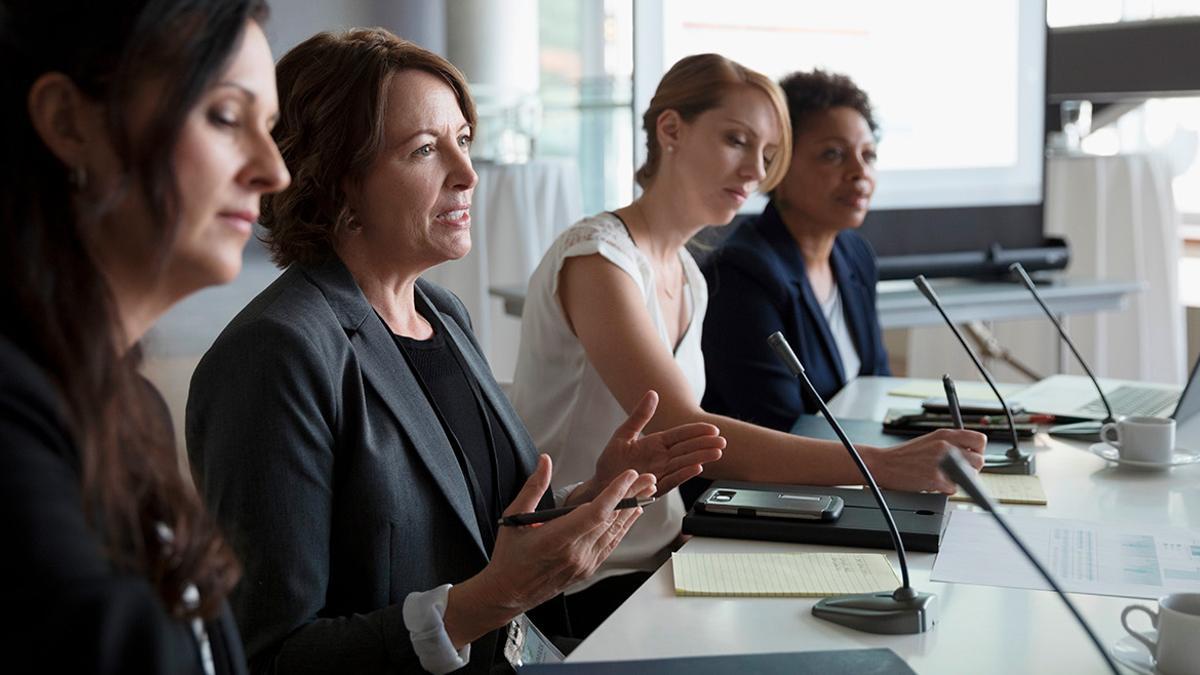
(1021, 466)
(880, 612)
(1079, 431)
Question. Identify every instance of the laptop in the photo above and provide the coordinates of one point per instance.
(1073, 396)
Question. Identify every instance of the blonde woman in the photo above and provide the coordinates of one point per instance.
(617, 305)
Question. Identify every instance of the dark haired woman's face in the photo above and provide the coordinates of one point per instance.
(413, 204)
(224, 161)
(832, 176)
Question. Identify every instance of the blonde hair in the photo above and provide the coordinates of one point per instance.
(697, 84)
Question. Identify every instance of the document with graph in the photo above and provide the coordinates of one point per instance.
(1085, 557)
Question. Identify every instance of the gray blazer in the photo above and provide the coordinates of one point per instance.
(320, 455)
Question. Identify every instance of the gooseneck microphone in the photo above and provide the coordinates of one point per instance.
(901, 612)
(956, 469)
(1013, 460)
(1089, 430)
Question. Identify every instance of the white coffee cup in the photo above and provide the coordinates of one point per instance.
(1177, 651)
(1142, 439)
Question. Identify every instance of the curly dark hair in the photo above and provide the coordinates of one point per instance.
(809, 93)
(332, 110)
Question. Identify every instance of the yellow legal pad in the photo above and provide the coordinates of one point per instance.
(781, 575)
(1008, 489)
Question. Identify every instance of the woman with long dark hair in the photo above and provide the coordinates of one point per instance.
(137, 145)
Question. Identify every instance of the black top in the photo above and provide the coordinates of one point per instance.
(74, 612)
(481, 447)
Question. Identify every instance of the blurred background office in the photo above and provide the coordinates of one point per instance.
(561, 85)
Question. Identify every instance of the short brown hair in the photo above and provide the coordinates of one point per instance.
(332, 108)
(695, 84)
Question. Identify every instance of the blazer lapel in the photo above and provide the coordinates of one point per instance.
(793, 266)
(856, 301)
(386, 370)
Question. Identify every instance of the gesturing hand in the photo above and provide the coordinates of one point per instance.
(532, 563)
(673, 456)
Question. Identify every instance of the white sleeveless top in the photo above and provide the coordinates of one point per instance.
(568, 410)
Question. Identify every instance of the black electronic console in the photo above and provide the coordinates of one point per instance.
(920, 517)
(992, 262)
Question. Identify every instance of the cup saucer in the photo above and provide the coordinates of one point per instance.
(1132, 654)
(1178, 458)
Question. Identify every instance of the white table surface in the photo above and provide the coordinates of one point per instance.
(980, 629)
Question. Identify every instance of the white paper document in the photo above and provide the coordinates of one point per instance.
(1084, 557)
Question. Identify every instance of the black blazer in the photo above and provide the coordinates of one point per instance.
(330, 472)
(757, 285)
(72, 612)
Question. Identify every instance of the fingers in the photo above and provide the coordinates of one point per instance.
(535, 486)
(639, 418)
(971, 441)
(674, 479)
(685, 432)
(975, 459)
(643, 487)
(701, 456)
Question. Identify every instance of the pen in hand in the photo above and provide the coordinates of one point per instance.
(952, 402)
(550, 514)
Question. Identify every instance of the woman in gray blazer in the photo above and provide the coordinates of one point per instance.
(345, 427)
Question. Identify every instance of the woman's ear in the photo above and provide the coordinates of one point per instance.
(669, 129)
(66, 120)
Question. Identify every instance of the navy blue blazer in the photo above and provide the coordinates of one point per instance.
(757, 285)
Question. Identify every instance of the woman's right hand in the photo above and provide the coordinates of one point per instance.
(531, 564)
(913, 466)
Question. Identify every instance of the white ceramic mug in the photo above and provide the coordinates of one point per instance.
(1143, 439)
(1177, 650)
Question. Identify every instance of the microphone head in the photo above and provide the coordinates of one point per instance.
(926, 289)
(784, 351)
(1019, 270)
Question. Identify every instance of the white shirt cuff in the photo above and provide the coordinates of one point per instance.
(423, 616)
(561, 494)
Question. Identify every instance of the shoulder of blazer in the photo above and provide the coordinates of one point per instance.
(860, 255)
(751, 252)
(28, 394)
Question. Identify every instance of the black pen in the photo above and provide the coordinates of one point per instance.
(551, 514)
(952, 402)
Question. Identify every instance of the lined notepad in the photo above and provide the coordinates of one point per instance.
(1008, 489)
(781, 575)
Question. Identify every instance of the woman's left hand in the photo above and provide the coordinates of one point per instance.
(673, 455)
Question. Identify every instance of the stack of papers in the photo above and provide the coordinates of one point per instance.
(1008, 489)
(781, 575)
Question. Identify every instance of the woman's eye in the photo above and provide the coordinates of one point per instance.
(832, 154)
(223, 118)
(424, 151)
(870, 156)
(464, 141)
(737, 141)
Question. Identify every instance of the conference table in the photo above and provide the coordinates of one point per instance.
(980, 629)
